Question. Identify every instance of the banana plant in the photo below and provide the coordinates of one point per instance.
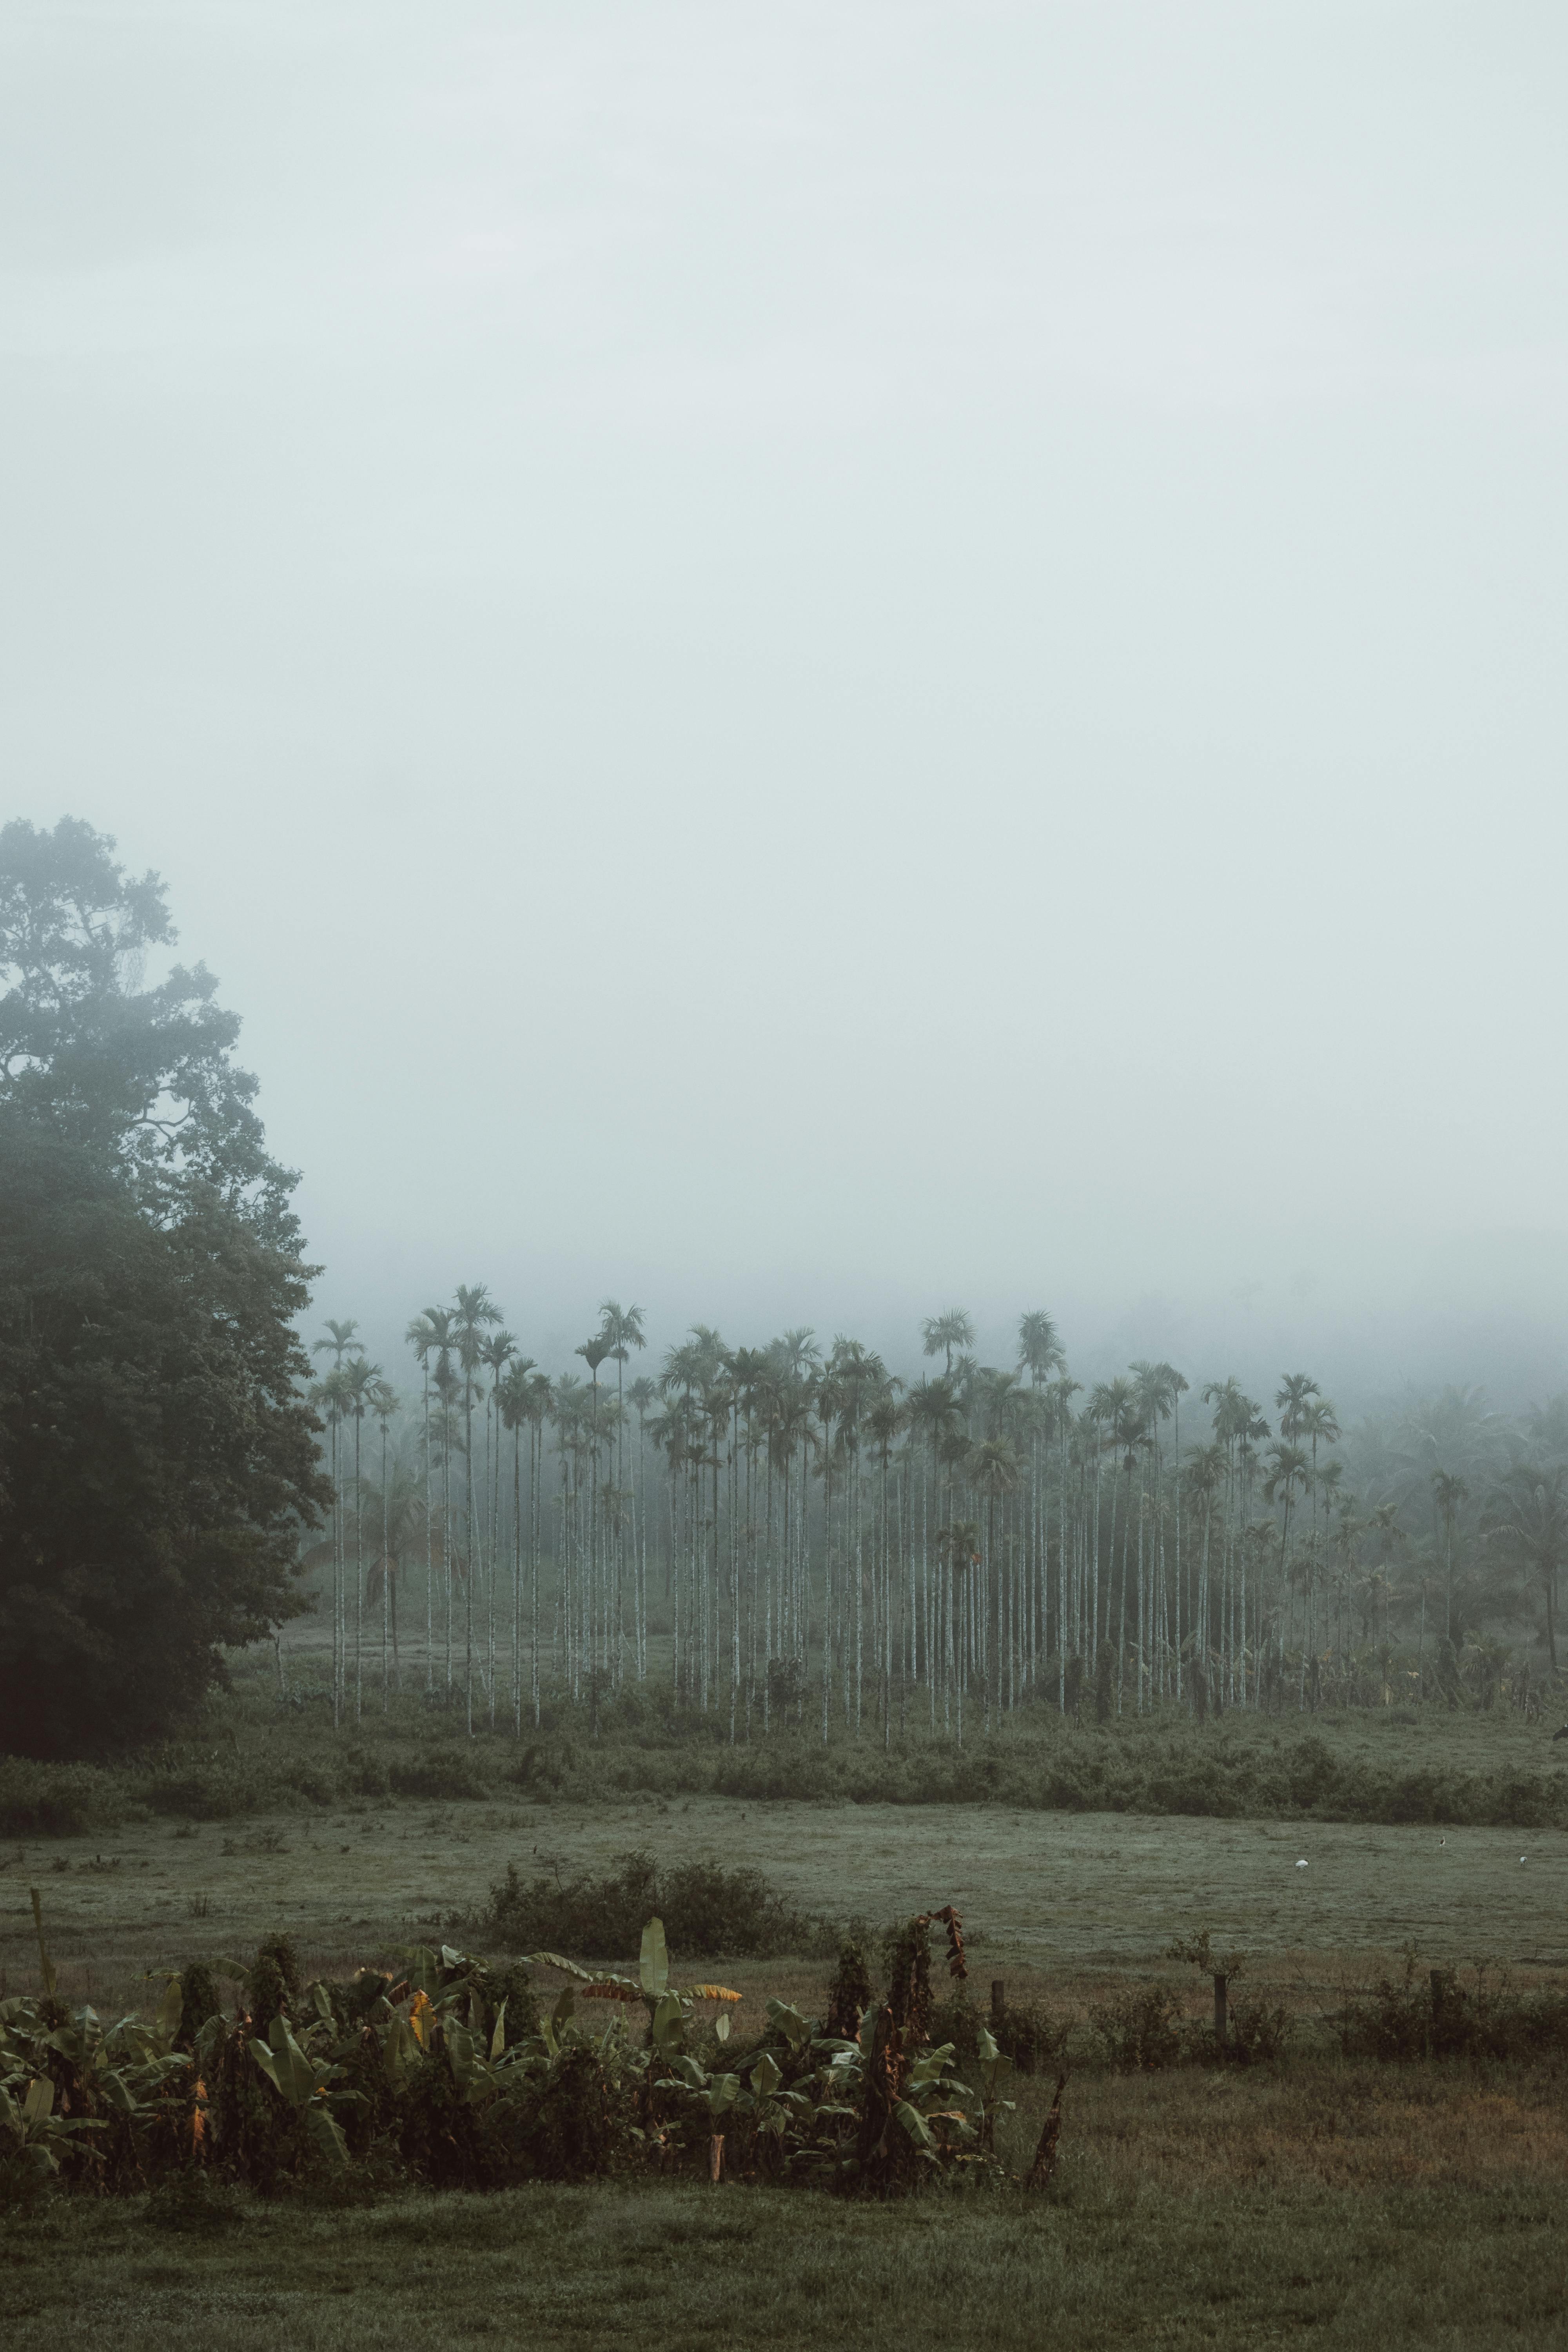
(995, 2072)
(716, 2094)
(306, 2083)
(123, 2067)
(38, 2134)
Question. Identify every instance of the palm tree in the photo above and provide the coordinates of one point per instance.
(958, 1548)
(1450, 1493)
(593, 1352)
(993, 1472)
(429, 1334)
(1040, 1354)
(1292, 1399)
(385, 1404)
(339, 1340)
(1319, 1423)
(362, 1383)
(622, 1327)
(330, 1398)
(474, 1310)
(446, 1433)
(1384, 1525)
(511, 1399)
(1129, 1437)
(1039, 1347)
(494, 1354)
(791, 1429)
(942, 1333)
(672, 1434)
(1239, 1427)
(1289, 1469)
(642, 1396)
(1527, 1522)
(537, 1407)
(858, 1377)
(932, 1414)
(1059, 1396)
(1159, 1389)
(1456, 1432)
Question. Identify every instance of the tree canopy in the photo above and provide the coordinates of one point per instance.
(141, 1076)
(157, 1460)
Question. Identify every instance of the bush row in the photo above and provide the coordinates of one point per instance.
(1212, 1774)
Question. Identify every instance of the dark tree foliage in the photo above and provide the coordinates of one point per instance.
(156, 1459)
(140, 1076)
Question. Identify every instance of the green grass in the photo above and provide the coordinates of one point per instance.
(1383, 2206)
(1060, 1896)
(1451, 2266)
(1475, 1768)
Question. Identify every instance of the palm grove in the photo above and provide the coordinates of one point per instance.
(785, 1537)
(793, 1536)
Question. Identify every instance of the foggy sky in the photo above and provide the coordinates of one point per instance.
(805, 663)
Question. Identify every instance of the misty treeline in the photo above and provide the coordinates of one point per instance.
(783, 1533)
(793, 1533)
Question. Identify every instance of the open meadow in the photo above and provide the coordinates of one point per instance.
(1197, 2256)
(387, 1832)
(1368, 2203)
(1059, 1897)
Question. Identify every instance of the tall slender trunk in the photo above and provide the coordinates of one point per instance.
(359, 1573)
(470, 1534)
(429, 1558)
(385, 1585)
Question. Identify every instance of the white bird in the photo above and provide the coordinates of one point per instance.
(1521, 1857)
(1302, 1865)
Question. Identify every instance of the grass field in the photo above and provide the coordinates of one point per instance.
(1058, 1895)
(1169, 2228)
(1377, 2205)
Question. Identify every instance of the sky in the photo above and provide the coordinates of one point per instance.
(806, 663)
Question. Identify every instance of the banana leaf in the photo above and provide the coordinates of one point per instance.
(285, 2066)
(327, 2132)
(653, 1964)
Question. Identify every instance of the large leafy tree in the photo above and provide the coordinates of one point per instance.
(157, 1459)
(141, 1077)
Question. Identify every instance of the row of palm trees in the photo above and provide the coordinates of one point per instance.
(798, 1531)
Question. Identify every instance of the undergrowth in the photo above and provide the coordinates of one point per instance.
(708, 1911)
(255, 1755)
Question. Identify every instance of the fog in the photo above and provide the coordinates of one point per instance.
(811, 664)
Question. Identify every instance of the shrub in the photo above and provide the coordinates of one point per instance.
(851, 1992)
(1258, 2034)
(956, 2019)
(273, 1983)
(1029, 2035)
(1139, 2029)
(56, 1799)
(1437, 2013)
(199, 2000)
(439, 1772)
(207, 1793)
(706, 1912)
